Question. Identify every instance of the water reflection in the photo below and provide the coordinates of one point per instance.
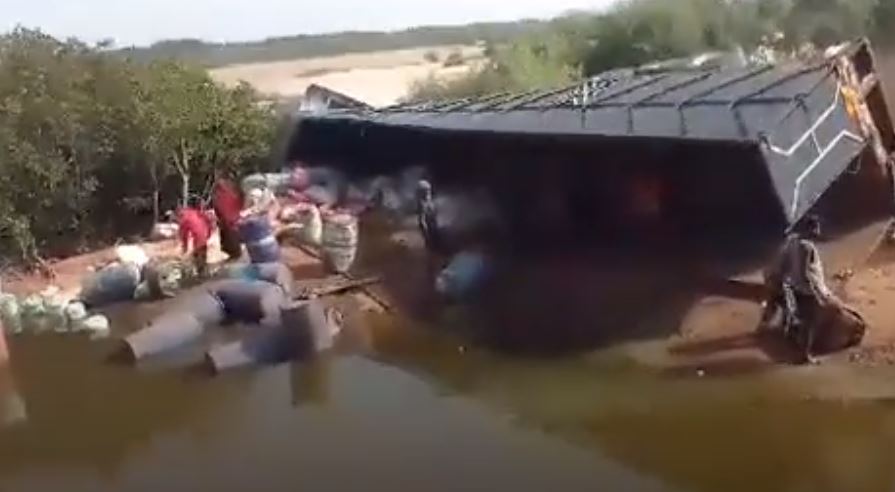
(309, 381)
(434, 408)
(13, 409)
(734, 434)
(83, 413)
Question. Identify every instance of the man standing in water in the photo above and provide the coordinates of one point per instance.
(427, 218)
(227, 204)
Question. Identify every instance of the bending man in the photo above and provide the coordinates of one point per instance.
(812, 315)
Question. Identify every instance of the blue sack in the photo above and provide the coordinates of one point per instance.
(463, 276)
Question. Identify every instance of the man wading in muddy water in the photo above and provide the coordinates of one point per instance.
(427, 219)
(813, 317)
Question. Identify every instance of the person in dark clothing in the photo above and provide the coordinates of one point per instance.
(227, 203)
(813, 317)
(427, 218)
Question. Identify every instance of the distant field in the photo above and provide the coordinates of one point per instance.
(379, 78)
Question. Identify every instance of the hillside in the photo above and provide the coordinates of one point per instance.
(379, 78)
(322, 45)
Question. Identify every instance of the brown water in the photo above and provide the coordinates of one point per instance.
(413, 410)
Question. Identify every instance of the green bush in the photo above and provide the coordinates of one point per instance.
(527, 64)
(478, 83)
(636, 32)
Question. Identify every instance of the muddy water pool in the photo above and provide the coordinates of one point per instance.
(416, 410)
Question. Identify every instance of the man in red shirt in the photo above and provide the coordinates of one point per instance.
(4, 351)
(227, 203)
(195, 225)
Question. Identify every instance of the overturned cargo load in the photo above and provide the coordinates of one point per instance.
(736, 147)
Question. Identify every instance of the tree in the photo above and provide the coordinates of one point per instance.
(826, 22)
(882, 18)
(86, 137)
(179, 102)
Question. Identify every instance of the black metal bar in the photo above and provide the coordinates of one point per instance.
(702, 102)
(397, 107)
(465, 104)
(628, 89)
(810, 91)
(503, 98)
(724, 85)
(600, 84)
(661, 92)
(800, 102)
(735, 104)
(586, 90)
(486, 101)
(449, 105)
(415, 107)
(535, 97)
(769, 100)
(699, 95)
(674, 87)
(741, 123)
(508, 99)
(777, 82)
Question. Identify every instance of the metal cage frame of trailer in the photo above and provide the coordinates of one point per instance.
(797, 116)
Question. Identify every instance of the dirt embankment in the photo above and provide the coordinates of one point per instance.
(68, 272)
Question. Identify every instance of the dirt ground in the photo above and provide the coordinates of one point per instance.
(69, 272)
(714, 333)
(379, 78)
(719, 332)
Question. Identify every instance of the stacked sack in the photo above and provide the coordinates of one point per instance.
(339, 241)
(49, 312)
(306, 220)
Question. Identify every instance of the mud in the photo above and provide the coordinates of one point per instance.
(423, 402)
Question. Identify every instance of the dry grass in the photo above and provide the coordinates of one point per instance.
(379, 78)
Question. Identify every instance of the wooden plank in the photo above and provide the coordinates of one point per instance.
(385, 305)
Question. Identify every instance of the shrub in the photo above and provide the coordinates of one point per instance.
(454, 59)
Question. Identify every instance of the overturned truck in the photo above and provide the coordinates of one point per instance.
(728, 152)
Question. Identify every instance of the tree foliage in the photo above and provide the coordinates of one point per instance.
(317, 45)
(88, 141)
(534, 62)
(635, 32)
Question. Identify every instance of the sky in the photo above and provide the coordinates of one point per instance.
(141, 22)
